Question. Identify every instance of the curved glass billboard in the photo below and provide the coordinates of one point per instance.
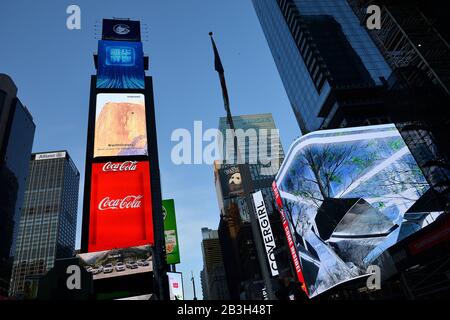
(348, 195)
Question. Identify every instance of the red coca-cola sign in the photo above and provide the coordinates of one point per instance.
(121, 206)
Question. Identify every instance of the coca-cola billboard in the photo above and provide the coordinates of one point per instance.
(121, 206)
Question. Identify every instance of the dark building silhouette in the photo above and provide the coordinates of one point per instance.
(213, 279)
(49, 217)
(16, 140)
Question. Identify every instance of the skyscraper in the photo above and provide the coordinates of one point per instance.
(203, 284)
(16, 140)
(49, 217)
(257, 141)
(213, 281)
(413, 42)
(331, 69)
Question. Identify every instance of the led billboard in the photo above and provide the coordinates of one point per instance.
(120, 30)
(231, 181)
(121, 206)
(176, 285)
(120, 125)
(117, 262)
(266, 231)
(346, 196)
(170, 232)
(120, 65)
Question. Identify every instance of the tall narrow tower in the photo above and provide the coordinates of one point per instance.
(122, 196)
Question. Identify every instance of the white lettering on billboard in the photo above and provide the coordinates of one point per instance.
(122, 166)
(53, 155)
(266, 231)
(129, 202)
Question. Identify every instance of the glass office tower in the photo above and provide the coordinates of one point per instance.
(330, 68)
(49, 217)
(16, 140)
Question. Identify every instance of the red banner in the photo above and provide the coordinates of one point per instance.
(291, 244)
(121, 206)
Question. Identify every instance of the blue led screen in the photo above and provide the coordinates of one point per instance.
(120, 65)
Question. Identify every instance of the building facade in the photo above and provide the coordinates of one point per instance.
(214, 285)
(16, 140)
(204, 285)
(331, 69)
(49, 217)
(260, 147)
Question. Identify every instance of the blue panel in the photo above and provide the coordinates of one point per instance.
(120, 65)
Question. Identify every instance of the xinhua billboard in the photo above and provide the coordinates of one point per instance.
(170, 232)
(346, 196)
(120, 65)
(121, 205)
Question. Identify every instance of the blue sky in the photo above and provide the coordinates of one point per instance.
(52, 66)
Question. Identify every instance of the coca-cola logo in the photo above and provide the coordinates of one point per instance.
(129, 202)
(120, 166)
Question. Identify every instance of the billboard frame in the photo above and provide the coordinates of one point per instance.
(159, 251)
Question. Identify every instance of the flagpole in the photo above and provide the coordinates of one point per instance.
(246, 178)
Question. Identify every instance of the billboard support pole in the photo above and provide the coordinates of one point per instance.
(247, 181)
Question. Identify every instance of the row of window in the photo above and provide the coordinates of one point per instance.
(314, 63)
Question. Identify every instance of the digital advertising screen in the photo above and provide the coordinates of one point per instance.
(176, 285)
(121, 206)
(231, 181)
(170, 232)
(346, 196)
(120, 125)
(121, 30)
(120, 65)
(117, 262)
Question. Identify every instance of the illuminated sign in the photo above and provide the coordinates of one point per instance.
(120, 56)
(288, 234)
(120, 65)
(346, 196)
(176, 285)
(170, 232)
(121, 30)
(120, 125)
(266, 231)
(117, 262)
(231, 181)
(121, 206)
